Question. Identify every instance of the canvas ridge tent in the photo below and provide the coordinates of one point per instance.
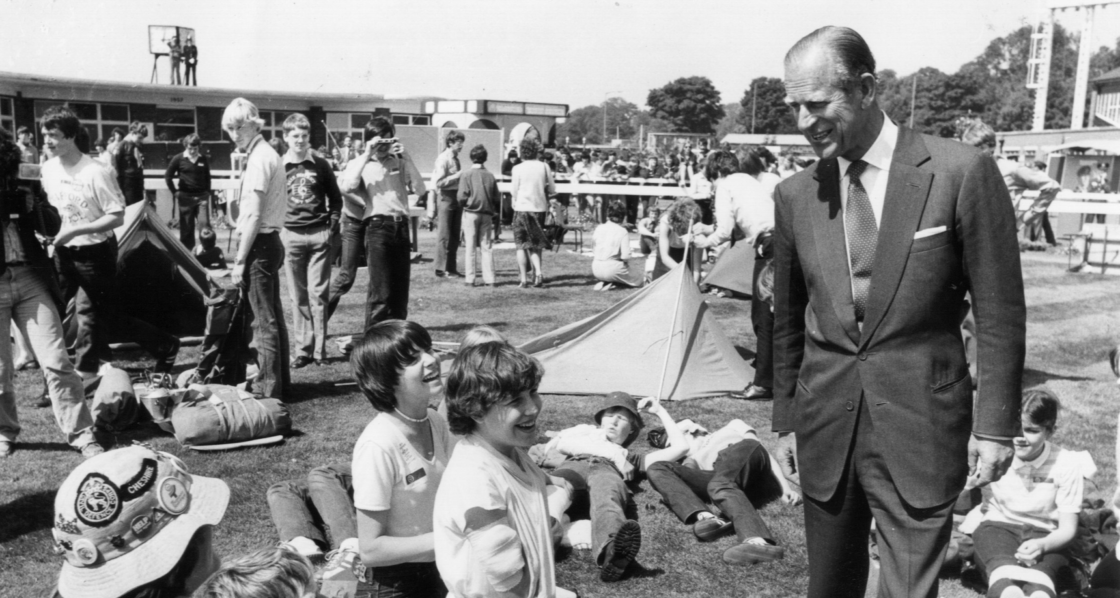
(624, 347)
(160, 280)
(734, 269)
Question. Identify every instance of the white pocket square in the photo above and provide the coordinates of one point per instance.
(929, 232)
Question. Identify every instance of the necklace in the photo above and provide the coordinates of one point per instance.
(411, 419)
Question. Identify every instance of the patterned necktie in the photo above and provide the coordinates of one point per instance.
(863, 236)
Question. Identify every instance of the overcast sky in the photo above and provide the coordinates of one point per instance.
(575, 52)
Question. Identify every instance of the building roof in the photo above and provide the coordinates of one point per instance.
(1113, 75)
(764, 139)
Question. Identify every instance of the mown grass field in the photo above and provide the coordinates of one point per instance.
(1073, 319)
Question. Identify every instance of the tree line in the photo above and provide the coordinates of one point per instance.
(991, 87)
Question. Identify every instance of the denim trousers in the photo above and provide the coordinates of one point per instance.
(353, 245)
(193, 208)
(26, 301)
(762, 317)
(608, 497)
(320, 508)
(740, 481)
(476, 229)
(308, 268)
(449, 218)
(88, 274)
(388, 255)
(262, 271)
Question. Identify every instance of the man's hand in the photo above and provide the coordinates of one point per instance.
(787, 455)
(988, 460)
(791, 497)
(63, 237)
(237, 273)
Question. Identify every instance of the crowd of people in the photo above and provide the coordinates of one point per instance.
(868, 265)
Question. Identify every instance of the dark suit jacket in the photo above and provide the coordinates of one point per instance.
(908, 362)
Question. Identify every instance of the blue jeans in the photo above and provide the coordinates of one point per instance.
(740, 481)
(26, 301)
(353, 244)
(406, 580)
(388, 255)
(88, 274)
(262, 271)
(320, 508)
(608, 496)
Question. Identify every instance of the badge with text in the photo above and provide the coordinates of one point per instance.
(414, 476)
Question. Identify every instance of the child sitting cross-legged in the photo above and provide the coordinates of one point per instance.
(497, 514)
(596, 461)
(1029, 532)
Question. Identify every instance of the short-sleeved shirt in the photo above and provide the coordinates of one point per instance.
(82, 194)
(390, 475)
(386, 184)
(263, 173)
(1036, 492)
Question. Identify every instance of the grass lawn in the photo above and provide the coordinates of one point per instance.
(1073, 319)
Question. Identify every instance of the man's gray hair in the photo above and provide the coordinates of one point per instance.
(850, 53)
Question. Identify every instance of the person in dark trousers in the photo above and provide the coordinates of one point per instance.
(190, 57)
(193, 195)
(384, 175)
(92, 206)
(260, 253)
(445, 175)
(175, 51)
(314, 204)
(128, 161)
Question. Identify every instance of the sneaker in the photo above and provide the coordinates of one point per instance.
(599, 286)
(754, 393)
(621, 551)
(340, 576)
(6, 448)
(302, 361)
(166, 361)
(712, 528)
(441, 274)
(748, 553)
(92, 450)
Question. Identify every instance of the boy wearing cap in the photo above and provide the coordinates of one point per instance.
(132, 520)
(598, 463)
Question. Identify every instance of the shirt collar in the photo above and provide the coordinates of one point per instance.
(1033, 463)
(881, 152)
(290, 158)
(476, 166)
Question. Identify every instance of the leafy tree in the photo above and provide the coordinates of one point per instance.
(583, 123)
(689, 104)
(731, 121)
(771, 115)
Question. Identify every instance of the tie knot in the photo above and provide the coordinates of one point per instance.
(855, 169)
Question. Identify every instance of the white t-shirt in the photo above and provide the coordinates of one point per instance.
(1036, 492)
(612, 242)
(390, 475)
(82, 193)
(491, 525)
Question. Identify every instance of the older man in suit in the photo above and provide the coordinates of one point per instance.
(875, 247)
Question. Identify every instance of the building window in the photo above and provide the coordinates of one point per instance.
(171, 125)
(273, 124)
(98, 120)
(342, 124)
(8, 115)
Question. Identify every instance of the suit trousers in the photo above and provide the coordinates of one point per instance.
(308, 268)
(912, 541)
(450, 229)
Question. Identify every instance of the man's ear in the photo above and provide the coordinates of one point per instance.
(869, 87)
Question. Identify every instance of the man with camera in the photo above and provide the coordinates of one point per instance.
(385, 175)
(29, 298)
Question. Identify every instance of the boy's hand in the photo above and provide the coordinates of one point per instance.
(1030, 551)
(787, 454)
(791, 497)
(650, 405)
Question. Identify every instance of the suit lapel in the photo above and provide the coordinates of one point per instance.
(832, 251)
(907, 190)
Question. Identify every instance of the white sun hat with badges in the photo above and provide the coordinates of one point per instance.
(125, 517)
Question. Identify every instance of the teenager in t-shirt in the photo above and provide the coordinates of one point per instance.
(314, 205)
(91, 206)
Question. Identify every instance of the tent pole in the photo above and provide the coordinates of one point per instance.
(673, 326)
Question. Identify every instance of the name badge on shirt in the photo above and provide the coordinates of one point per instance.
(414, 476)
(1041, 479)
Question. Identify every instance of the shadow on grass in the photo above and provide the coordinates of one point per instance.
(302, 392)
(637, 571)
(747, 354)
(1033, 377)
(462, 326)
(42, 446)
(27, 514)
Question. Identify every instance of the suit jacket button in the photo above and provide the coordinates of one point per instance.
(849, 406)
(862, 356)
